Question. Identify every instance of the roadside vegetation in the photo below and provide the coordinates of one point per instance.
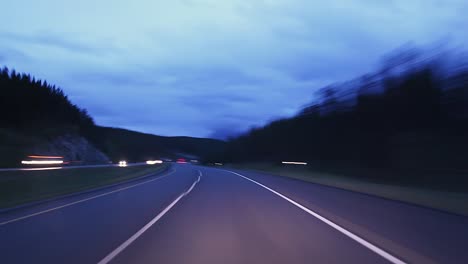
(404, 124)
(35, 113)
(32, 112)
(130, 145)
(19, 187)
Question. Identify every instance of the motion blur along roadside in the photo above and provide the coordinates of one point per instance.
(294, 162)
(181, 161)
(152, 162)
(43, 160)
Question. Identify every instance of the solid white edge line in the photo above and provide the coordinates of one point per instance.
(129, 241)
(349, 234)
(83, 200)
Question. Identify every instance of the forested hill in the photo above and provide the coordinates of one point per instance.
(38, 118)
(125, 144)
(410, 115)
(30, 104)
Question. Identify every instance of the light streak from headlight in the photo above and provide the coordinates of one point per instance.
(40, 169)
(294, 162)
(44, 157)
(152, 162)
(41, 162)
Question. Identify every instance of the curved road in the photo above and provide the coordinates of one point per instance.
(194, 214)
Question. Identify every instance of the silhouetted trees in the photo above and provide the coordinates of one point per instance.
(28, 104)
(122, 144)
(410, 114)
(33, 111)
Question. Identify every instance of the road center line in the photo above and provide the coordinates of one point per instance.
(344, 231)
(129, 241)
(83, 200)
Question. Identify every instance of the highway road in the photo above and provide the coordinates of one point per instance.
(193, 214)
(66, 167)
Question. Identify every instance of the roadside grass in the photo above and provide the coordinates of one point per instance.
(19, 187)
(446, 200)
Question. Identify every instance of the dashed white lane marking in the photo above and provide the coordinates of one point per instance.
(83, 200)
(129, 241)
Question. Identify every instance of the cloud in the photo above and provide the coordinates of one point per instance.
(12, 54)
(54, 41)
(209, 67)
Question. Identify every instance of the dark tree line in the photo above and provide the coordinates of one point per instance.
(28, 104)
(122, 144)
(33, 111)
(411, 115)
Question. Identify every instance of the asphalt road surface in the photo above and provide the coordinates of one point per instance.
(194, 214)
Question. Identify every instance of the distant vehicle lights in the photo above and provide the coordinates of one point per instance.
(294, 162)
(152, 162)
(122, 163)
(44, 157)
(43, 160)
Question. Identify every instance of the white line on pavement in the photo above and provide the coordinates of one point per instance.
(129, 241)
(349, 234)
(83, 200)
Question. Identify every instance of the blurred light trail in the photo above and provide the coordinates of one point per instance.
(152, 162)
(41, 162)
(218, 164)
(40, 169)
(294, 162)
(44, 157)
